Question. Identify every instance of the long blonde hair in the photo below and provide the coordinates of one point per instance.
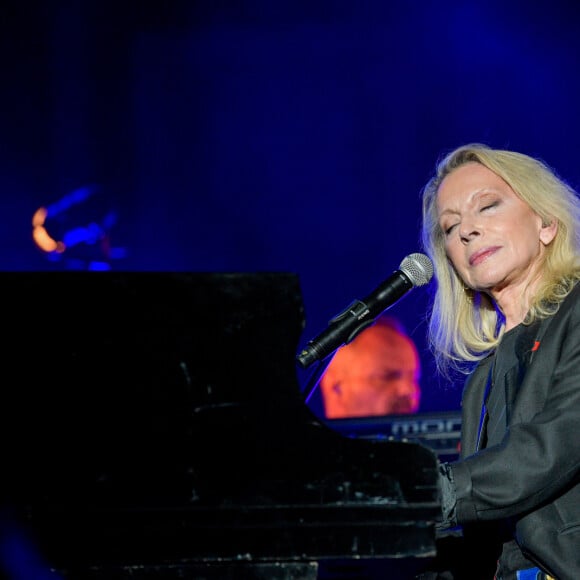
(465, 325)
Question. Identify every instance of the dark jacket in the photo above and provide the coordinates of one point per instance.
(533, 476)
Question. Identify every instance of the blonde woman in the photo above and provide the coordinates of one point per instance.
(502, 230)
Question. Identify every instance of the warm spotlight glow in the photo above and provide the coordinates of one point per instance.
(41, 237)
(39, 217)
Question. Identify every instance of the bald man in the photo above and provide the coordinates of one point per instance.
(377, 373)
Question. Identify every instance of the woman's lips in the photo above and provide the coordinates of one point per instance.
(482, 255)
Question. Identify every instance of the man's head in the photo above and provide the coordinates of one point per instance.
(377, 373)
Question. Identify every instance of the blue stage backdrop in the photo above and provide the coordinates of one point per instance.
(259, 135)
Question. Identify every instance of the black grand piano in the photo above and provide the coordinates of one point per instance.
(153, 427)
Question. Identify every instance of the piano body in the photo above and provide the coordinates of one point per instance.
(153, 427)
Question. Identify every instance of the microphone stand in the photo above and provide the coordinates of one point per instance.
(315, 377)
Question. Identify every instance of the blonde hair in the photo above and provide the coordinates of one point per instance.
(465, 325)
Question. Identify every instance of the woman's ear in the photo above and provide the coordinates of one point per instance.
(548, 231)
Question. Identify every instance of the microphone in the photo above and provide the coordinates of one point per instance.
(415, 270)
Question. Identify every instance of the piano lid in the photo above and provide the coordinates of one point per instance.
(154, 415)
(120, 362)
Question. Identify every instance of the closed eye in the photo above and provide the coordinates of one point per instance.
(392, 376)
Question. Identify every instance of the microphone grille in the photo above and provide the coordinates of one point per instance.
(418, 268)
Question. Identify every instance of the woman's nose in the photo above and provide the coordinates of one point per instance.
(468, 229)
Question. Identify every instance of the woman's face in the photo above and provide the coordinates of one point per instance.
(493, 239)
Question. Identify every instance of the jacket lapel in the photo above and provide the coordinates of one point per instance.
(471, 406)
(475, 387)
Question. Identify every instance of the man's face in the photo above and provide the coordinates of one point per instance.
(377, 374)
